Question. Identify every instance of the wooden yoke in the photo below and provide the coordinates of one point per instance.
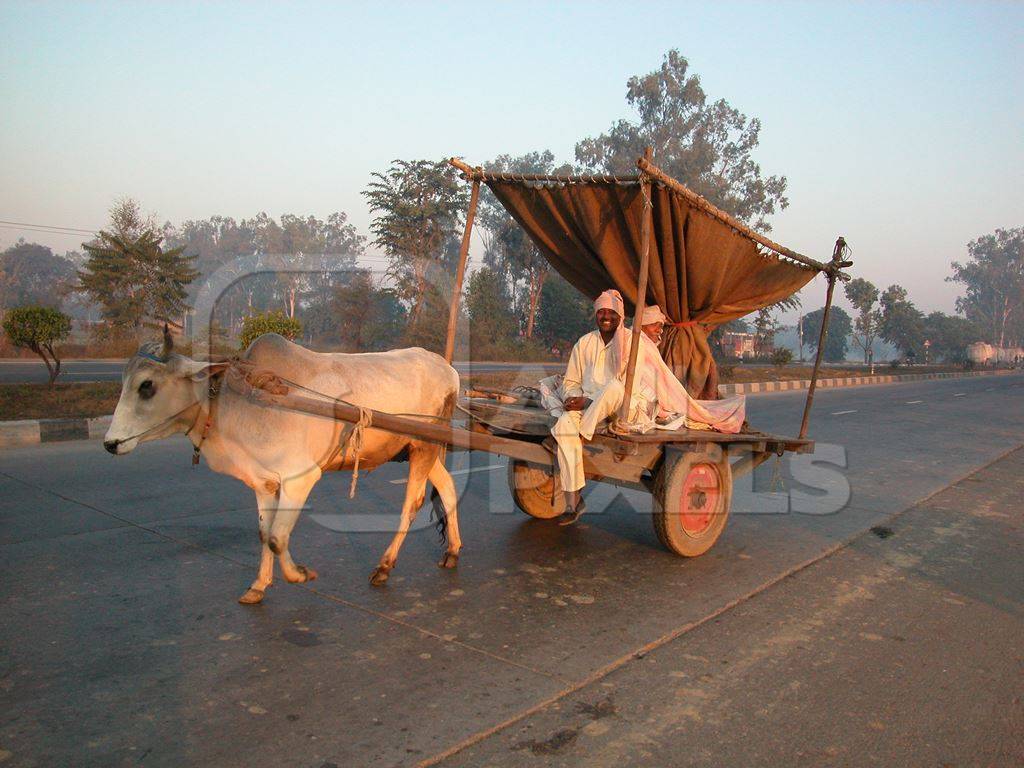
(460, 273)
(641, 292)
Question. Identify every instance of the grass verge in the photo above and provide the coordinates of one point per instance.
(37, 401)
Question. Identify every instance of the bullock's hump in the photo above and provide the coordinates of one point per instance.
(270, 346)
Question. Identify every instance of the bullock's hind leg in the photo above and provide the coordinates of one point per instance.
(267, 504)
(420, 459)
(291, 499)
(445, 488)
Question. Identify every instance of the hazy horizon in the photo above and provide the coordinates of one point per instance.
(898, 126)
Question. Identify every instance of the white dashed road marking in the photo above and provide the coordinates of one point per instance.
(960, 394)
(914, 402)
(842, 413)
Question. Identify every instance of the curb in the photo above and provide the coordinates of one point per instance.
(755, 387)
(33, 431)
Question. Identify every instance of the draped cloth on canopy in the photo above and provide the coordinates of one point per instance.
(702, 273)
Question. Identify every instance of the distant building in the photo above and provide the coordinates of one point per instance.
(738, 345)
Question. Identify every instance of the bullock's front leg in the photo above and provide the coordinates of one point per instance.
(266, 502)
(291, 500)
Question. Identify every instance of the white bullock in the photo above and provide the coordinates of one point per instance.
(281, 454)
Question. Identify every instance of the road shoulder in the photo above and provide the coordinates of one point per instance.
(902, 648)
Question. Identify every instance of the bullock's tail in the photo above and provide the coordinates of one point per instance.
(439, 515)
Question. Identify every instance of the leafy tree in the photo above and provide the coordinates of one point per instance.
(368, 318)
(39, 329)
(782, 356)
(902, 324)
(564, 314)
(707, 146)
(863, 295)
(32, 274)
(993, 279)
(219, 241)
(130, 275)
(765, 328)
(488, 305)
(949, 336)
(255, 326)
(507, 246)
(839, 327)
(417, 205)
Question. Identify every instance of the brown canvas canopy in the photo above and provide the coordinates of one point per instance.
(705, 268)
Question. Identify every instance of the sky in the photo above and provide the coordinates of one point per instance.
(898, 125)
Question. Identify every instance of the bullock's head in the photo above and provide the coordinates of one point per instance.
(161, 395)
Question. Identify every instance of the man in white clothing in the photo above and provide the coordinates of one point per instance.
(593, 391)
(595, 365)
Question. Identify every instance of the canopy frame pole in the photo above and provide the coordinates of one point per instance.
(641, 292)
(837, 259)
(460, 273)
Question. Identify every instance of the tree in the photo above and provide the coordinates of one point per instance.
(368, 317)
(217, 242)
(949, 336)
(863, 296)
(131, 276)
(491, 322)
(993, 278)
(564, 314)
(902, 324)
(507, 246)
(839, 327)
(255, 326)
(706, 146)
(782, 356)
(32, 274)
(417, 206)
(39, 329)
(765, 328)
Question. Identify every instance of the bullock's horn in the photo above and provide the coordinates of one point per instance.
(168, 344)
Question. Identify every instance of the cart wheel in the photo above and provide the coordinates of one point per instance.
(691, 503)
(537, 492)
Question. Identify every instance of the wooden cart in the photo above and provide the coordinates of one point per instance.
(689, 473)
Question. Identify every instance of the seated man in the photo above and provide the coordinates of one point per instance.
(676, 409)
(597, 360)
(593, 391)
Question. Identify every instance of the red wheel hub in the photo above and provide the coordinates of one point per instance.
(699, 498)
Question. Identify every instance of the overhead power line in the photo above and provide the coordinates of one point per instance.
(53, 227)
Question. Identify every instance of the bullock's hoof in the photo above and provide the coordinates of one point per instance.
(305, 574)
(448, 561)
(379, 576)
(252, 597)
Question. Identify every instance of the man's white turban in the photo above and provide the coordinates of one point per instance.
(610, 299)
(652, 314)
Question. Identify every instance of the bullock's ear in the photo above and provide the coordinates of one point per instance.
(199, 371)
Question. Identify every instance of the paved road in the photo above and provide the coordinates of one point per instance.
(798, 639)
(77, 371)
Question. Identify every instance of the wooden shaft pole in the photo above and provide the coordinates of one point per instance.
(837, 256)
(641, 291)
(443, 434)
(460, 273)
